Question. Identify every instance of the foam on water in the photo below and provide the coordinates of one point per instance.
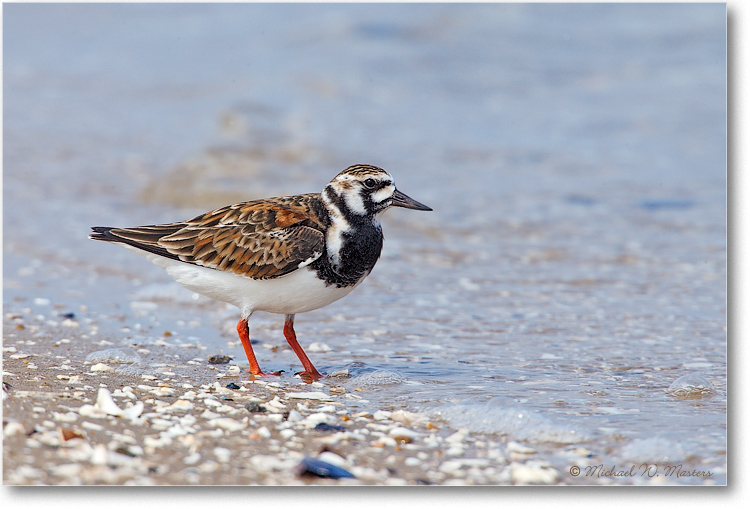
(114, 356)
(691, 387)
(136, 369)
(506, 417)
(378, 379)
(656, 449)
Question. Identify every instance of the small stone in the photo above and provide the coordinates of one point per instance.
(218, 359)
(255, 408)
(323, 426)
(233, 386)
(314, 467)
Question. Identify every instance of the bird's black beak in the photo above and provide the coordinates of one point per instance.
(399, 199)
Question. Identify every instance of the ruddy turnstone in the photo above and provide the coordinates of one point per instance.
(282, 255)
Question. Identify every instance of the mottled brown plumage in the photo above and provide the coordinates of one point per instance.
(259, 239)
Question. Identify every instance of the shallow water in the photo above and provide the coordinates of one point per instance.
(574, 265)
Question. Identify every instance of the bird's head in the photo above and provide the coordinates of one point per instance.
(366, 191)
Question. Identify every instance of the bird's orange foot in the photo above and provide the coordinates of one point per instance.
(309, 376)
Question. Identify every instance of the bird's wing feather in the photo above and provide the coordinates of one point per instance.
(259, 239)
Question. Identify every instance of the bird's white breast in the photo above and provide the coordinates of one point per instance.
(297, 292)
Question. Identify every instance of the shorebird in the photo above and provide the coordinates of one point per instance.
(284, 255)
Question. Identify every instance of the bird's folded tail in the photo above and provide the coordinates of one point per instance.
(147, 240)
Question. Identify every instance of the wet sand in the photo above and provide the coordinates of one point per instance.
(68, 421)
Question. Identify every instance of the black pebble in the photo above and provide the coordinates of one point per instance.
(233, 386)
(254, 407)
(311, 466)
(218, 359)
(327, 427)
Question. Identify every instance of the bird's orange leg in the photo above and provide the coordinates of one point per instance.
(244, 332)
(291, 338)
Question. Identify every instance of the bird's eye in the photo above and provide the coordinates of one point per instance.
(370, 183)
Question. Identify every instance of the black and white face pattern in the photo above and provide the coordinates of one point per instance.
(361, 191)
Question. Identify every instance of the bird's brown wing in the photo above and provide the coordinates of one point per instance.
(260, 239)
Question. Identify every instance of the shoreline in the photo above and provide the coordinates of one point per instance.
(72, 421)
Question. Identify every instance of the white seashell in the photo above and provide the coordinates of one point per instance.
(227, 424)
(313, 420)
(192, 459)
(403, 432)
(101, 367)
(458, 437)
(520, 449)
(286, 434)
(91, 411)
(13, 428)
(319, 347)
(106, 404)
(134, 411)
(92, 426)
(100, 455)
(223, 455)
(381, 415)
(67, 470)
(333, 459)
(524, 474)
(409, 418)
(309, 395)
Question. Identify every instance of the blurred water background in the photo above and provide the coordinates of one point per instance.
(573, 268)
